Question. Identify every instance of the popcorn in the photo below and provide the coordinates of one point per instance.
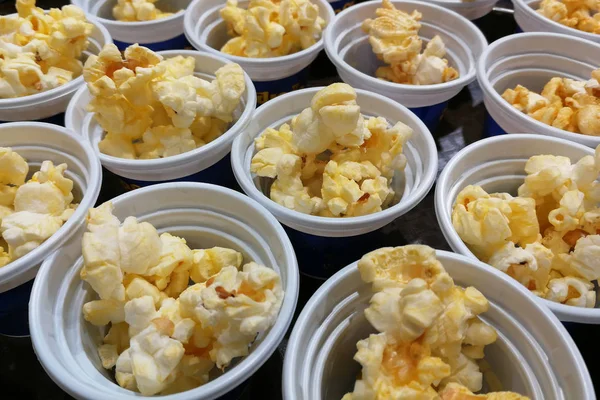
(165, 336)
(393, 35)
(455, 391)
(32, 211)
(270, 28)
(138, 10)
(429, 333)
(582, 15)
(564, 103)
(154, 108)
(548, 238)
(331, 161)
(41, 50)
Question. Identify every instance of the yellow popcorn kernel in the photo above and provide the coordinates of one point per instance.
(118, 335)
(139, 313)
(209, 262)
(108, 355)
(289, 190)
(13, 167)
(24, 231)
(522, 264)
(566, 217)
(4, 257)
(572, 291)
(137, 10)
(264, 163)
(48, 191)
(455, 391)
(139, 246)
(101, 312)
(140, 287)
(582, 261)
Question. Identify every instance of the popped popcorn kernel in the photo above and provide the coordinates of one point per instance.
(331, 160)
(165, 336)
(429, 334)
(394, 38)
(138, 10)
(547, 238)
(153, 108)
(40, 50)
(271, 28)
(564, 103)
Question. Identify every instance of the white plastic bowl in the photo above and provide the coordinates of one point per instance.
(52, 102)
(206, 31)
(534, 354)
(38, 142)
(180, 166)
(531, 21)
(206, 215)
(531, 60)
(497, 164)
(161, 34)
(348, 47)
(469, 9)
(413, 183)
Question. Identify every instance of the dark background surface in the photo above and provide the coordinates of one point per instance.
(22, 377)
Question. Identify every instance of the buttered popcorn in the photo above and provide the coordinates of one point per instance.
(152, 107)
(430, 337)
(271, 28)
(579, 14)
(138, 10)
(166, 336)
(564, 103)
(40, 51)
(394, 37)
(331, 160)
(547, 238)
(30, 211)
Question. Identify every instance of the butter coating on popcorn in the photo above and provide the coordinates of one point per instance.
(152, 108)
(331, 160)
(394, 37)
(138, 10)
(41, 50)
(577, 14)
(547, 238)
(564, 103)
(164, 336)
(429, 334)
(271, 28)
(30, 211)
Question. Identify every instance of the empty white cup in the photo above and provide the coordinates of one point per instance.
(161, 34)
(348, 47)
(534, 355)
(208, 163)
(498, 165)
(531, 21)
(206, 31)
(38, 142)
(206, 216)
(51, 104)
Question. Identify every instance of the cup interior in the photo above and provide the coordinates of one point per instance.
(104, 10)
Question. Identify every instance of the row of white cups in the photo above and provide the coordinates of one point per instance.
(534, 355)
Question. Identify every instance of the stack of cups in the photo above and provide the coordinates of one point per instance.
(348, 48)
(534, 355)
(498, 165)
(206, 216)
(531, 60)
(529, 20)
(50, 106)
(209, 163)
(315, 237)
(206, 31)
(161, 34)
(38, 142)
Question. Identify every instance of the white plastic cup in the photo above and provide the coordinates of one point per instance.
(531, 60)
(49, 106)
(534, 355)
(161, 34)
(529, 20)
(206, 31)
(498, 165)
(205, 215)
(348, 47)
(38, 142)
(208, 163)
(318, 233)
(471, 10)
